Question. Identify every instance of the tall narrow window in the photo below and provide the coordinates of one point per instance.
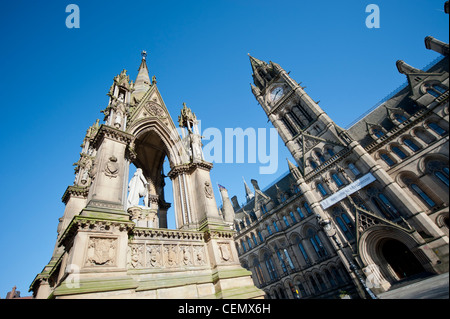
(435, 127)
(353, 168)
(300, 213)
(261, 239)
(413, 146)
(297, 120)
(337, 180)
(283, 265)
(258, 271)
(399, 152)
(343, 227)
(270, 268)
(391, 208)
(254, 239)
(269, 230)
(387, 159)
(289, 127)
(286, 222)
(264, 208)
(307, 208)
(275, 226)
(288, 258)
(322, 189)
(423, 195)
(294, 220)
(249, 243)
(442, 176)
(303, 251)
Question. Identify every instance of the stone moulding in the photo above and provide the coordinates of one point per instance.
(81, 191)
(92, 224)
(158, 233)
(113, 133)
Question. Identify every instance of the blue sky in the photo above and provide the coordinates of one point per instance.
(55, 82)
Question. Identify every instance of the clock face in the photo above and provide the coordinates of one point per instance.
(276, 93)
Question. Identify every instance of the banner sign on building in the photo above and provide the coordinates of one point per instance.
(347, 190)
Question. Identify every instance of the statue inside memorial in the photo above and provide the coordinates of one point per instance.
(137, 189)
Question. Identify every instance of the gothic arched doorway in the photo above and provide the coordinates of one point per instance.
(400, 259)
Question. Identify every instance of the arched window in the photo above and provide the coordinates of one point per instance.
(391, 208)
(261, 239)
(249, 243)
(318, 246)
(385, 157)
(280, 259)
(314, 285)
(302, 290)
(433, 92)
(296, 189)
(337, 275)
(443, 176)
(330, 278)
(353, 168)
(399, 117)
(243, 246)
(423, 195)
(294, 220)
(300, 213)
(269, 230)
(275, 226)
(320, 157)
(435, 127)
(303, 251)
(321, 282)
(313, 164)
(413, 146)
(286, 222)
(337, 180)
(377, 132)
(343, 226)
(439, 88)
(254, 239)
(322, 189)
(307, 208)
(258, 271)
(330, 152)
(263, 208)
(270, 267)
(399, 152)
(424, 135)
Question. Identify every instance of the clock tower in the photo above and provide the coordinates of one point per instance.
(300, 121)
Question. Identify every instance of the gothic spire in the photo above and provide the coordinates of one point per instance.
(248, 193)
(142, 83)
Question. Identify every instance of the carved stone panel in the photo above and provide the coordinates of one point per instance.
(101, 251)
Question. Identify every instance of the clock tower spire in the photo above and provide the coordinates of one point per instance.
(300, 121)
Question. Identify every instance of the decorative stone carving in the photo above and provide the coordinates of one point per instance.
(137, 255)
(101, 251)
(155, 110)
(153, 256)
(171, 255)
(225, 251)
(208, 190)
(112, 167)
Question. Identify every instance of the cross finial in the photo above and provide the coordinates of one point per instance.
(144, 54)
